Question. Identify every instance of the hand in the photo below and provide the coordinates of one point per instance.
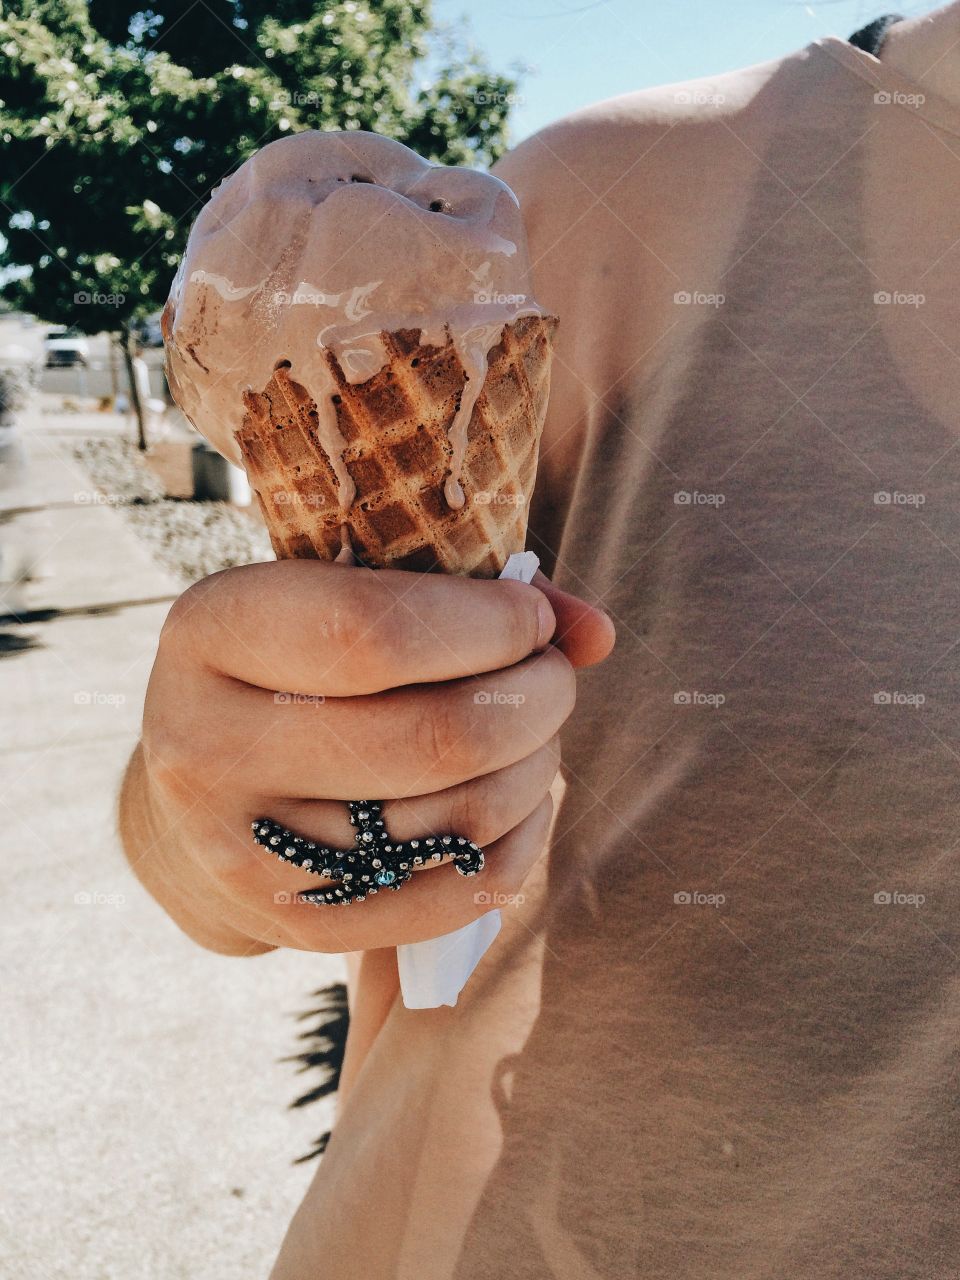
(440, 695)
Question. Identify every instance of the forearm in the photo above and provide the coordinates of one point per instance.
(373, 986)
(154, 856)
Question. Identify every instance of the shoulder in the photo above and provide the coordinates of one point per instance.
(628, 203)
(629, 188)
(562, 166)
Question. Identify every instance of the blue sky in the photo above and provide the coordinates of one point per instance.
(583, 50)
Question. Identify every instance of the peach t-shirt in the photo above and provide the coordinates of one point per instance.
(720, 1039)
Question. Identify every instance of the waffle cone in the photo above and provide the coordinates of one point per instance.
(395, 427)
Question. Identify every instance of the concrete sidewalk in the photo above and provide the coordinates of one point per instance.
(144, 1108)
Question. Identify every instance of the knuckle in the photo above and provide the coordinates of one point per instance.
(178, 624)
(182, 629)
(179, 754)
(527, 843)
(476, 816)
(173, 765)
(438, 737)
(564, 679)
(554, 683)
(523, 615)
(366, 630)
(230, 863)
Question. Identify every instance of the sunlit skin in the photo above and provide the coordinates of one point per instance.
(926, 50)
(392, 662)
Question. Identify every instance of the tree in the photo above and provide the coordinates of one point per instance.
(117, 121)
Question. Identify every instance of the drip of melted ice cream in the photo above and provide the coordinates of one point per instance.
(321, 242)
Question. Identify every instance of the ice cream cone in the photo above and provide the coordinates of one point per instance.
(398, 455)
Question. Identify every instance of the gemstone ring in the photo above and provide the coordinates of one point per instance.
(375, 861)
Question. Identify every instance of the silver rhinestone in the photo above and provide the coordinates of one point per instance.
(445, 840)
(437, 857)
(363, 815)
(460, 840)
(418, 862)
(431, 842)
(366, 836)
(414, 844)
(307, 864)
(404, 866)
(375, 862)
(274, 840)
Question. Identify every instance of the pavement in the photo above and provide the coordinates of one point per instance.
(143, 1104)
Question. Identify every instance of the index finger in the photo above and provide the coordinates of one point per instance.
(309, 627)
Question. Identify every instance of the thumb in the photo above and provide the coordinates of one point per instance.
(584, 635)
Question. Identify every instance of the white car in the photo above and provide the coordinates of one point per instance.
(65, 348)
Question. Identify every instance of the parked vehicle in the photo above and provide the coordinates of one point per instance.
(148, 331)
(65, 347)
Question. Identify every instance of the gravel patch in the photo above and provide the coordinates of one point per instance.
(192, 539)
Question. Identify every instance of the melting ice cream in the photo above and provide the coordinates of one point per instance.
(318, 244)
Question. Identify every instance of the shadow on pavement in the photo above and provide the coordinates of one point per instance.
(323, 1054)
(81, 610)
(12, 644)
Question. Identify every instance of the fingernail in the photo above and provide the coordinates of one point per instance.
(546, 622)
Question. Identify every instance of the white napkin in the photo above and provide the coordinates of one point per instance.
(434, 972)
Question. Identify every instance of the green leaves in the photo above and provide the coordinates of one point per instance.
(117, 122)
